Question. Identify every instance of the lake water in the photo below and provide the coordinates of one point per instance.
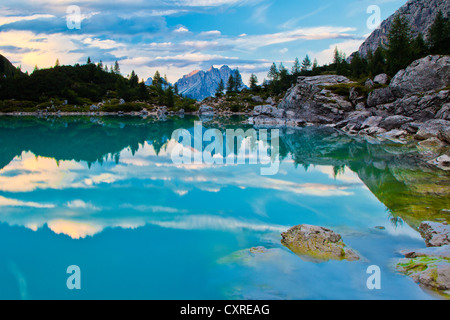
(105, 195)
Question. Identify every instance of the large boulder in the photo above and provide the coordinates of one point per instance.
(381, 78)
(317, 243)
(394, 122)
(269, 111)
(381, 96)
(435, 234)
(429, 73)
(313, 102)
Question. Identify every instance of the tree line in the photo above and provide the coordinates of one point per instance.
(87, 84)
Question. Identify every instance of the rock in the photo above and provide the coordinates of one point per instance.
(312, 102)
(435, 234)
(381, 96)
(206, 110)
(373, 121)
(381, 79)
(432, 128)
(121, 101)
(257, 99)
(429, 73)
(323, 80)
(394, 122)
(353, 94)
(431, 272)
(270, 101)
(442, 162)
(395, 134)
(317, 243)
(444, 134)
(369, 84)
(444, 112)
(269, 111)
(94, 107)
(439, 252)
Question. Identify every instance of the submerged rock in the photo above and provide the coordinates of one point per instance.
(318, 243)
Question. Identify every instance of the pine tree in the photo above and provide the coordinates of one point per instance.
(438, 35)
(116, 67)
(157, 79)
(57, 63)
(253, 84)
(231, 84)
(237, 80)
(337, 59)
(220, 88)
(399, 51)
(89, 60)
(296, 68)
(419, 47)
(175, 89)
(170, 98)
(273, 74)
(306, 64)
(134, 79)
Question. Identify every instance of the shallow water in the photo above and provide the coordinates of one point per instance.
(105, 195)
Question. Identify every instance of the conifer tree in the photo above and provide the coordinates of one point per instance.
(296, 68)
(306, 64)
(438, 35)
(399, 48)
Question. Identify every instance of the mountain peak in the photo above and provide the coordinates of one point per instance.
(419, 13)
(202, 84)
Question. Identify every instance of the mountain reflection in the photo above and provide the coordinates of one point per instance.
(77, 155)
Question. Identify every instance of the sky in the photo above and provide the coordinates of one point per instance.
(176, 37)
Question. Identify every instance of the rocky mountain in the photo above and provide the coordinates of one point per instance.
(420, 15)
(202, 84)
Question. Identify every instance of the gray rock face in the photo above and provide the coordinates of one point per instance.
(323, 80)
(381, 79)
(381, 96)
(269, 111)
(421, 107)
(317, 243)
(202, 84)
(432, 129)
(394, 122)
(312, 103)
(444, 112)
(435, 234)
(419, 13)
(429, 73)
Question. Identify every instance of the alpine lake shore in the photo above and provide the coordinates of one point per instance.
(411, 111)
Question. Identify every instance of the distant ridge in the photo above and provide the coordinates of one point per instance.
(6, 68)
(202, 84)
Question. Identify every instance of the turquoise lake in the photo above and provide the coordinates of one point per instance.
(105, 195)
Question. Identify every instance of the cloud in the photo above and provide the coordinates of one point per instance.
(5, 202)
(13, 19)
